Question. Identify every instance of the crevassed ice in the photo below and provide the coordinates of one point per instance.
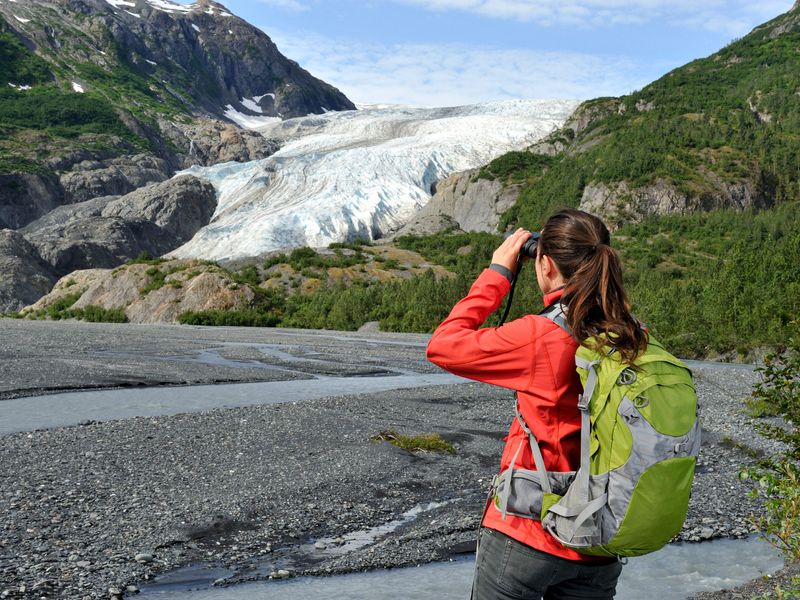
(361, 173)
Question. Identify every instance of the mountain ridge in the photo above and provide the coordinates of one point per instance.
(87, 84)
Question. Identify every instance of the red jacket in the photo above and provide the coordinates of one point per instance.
(534, 356)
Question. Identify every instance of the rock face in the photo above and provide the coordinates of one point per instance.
(209, 141)
(105, 232)
(27, 196)
(201, 54)
(619, 203)
(114, 177)
(465, 202)
(187, 285)
(24, 276)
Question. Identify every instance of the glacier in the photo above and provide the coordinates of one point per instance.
(356, 174)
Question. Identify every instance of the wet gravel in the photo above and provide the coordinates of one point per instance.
(103, 510)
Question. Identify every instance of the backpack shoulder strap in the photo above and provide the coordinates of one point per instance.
(556, 313)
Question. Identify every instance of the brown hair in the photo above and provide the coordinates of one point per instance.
(580, 245)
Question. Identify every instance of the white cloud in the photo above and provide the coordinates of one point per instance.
(452, 74)
(728, 16)
(292, 5)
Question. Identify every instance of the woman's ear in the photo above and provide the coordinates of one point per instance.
(550, 270)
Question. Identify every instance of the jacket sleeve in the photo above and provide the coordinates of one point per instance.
(498, 355)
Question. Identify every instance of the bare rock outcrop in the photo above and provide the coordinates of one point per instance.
(24, 276)
(620, 203)
(463, 201)
(151, 293)
(209, 141)
(105, 232)
(114, 177)
(25, 197)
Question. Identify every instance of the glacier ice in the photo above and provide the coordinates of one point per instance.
(343, 175)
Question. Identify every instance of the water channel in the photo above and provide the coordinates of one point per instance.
(674, 573)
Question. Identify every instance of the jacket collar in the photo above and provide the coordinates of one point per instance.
(553, 296)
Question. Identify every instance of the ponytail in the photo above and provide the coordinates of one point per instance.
(596, 304)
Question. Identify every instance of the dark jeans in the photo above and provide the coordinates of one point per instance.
(506, 570)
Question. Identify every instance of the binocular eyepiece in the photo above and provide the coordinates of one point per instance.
(529, 247)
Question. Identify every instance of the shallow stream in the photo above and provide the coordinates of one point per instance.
(674, 573)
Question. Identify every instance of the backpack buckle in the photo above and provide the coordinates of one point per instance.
(627, 377)
(583, 402)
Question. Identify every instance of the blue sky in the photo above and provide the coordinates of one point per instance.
(450, 52)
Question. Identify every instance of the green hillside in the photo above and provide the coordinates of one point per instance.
(40, 117)
(730, 119)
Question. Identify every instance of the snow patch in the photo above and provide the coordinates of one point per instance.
(196, 28)
(21, 88)
(169, 7)
(78, 87)
(119, 3)
(133, 14)
(248, 121)
(252, 104)
(21, 20)
(150, 62)
(351, 174)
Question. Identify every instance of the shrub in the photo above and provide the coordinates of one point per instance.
(778, 478)
(426, 442)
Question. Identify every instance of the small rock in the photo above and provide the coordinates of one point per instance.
(114, 591)
(706, 533)
(132, 589)
(320, 545)
(143, 557)
(83, 563)
(279, 574)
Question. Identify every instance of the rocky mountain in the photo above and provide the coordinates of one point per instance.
(99, 97)
(717, 133)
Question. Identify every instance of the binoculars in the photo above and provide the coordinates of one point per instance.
(529, 247)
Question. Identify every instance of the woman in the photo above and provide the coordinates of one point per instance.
(575, 266)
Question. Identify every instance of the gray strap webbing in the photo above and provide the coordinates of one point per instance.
(555, 312)
(588, 510)
(505, 477)
(538, 459)
(586, 423)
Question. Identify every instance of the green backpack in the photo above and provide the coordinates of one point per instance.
(640, 436)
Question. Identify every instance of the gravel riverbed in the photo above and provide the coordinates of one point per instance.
(100, 510)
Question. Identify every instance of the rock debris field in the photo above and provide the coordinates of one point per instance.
(105, 508)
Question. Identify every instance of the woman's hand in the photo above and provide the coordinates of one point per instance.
(507, 253)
